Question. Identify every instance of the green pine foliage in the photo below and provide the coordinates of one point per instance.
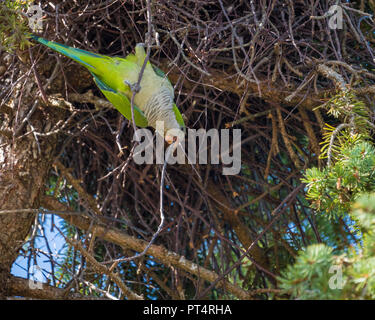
(351, 154)
(319, 273)
(13, 24)
(309, 277)
(334, 189)
(344, 189)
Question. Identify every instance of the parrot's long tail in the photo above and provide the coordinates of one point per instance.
(88, 59)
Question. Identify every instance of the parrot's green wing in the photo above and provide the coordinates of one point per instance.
(179, 118)
(121, 103)
(109, 75)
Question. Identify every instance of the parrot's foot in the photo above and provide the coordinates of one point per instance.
(134, 87)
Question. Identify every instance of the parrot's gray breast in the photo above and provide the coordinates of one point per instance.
(160, 108)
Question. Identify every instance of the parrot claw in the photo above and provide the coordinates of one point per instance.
(134, 87)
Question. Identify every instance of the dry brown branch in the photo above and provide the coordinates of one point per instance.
(286, 139)
(104, 270)
(159, 252)
(91, 202)
(310, 132)
(21, 287)
(333, 75)
(261, 66)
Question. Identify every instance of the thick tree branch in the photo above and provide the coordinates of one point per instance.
(157, 251)
(38, 290)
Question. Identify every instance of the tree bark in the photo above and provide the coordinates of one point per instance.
(25, 162)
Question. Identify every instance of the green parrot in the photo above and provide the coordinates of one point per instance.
(114, 76)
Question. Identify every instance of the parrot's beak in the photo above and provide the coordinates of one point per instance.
(173, 135)
(170, 139)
